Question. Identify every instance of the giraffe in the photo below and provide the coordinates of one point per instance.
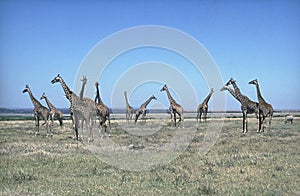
(78, 108)
(90, 102)
(87, 101)
(265, 108)
(39, 111)
(53, 111)
(174, 107)
(129, 108)
(104, 110)
(247, 106)
(142, 109)
(251, 110)
(203, 107)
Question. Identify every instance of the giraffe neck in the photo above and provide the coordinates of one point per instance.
(238, 95)
(126, 99)
(50, 105)
(82, 90)
(98, 96)
(66, 89)
(236, 88)
(231, 92)
(259, 97)
(170, 97)
(207, 98)
(147, 102)
(35, 102)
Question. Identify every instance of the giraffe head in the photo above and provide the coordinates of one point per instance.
(84, 79)
(224, 88)
(254, 82)
(43, 96)
(96, 84)
(56, 79)
(212, 90)
(26, 89)
(231, 80)
(164, 88)
(153, 97)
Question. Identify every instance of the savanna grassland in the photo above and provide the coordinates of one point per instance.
(263, 164)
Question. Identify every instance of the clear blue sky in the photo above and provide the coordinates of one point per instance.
(247, 40)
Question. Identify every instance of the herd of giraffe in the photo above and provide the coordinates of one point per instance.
(86, 110)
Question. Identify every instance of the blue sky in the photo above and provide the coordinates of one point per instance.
(247, 40)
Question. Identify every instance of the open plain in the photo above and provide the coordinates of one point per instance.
(259, 163)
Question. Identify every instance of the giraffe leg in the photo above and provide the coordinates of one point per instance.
(75, 126)
(100, 119)
(171, 115)
(174, 118)
(61, 122)
(60, 119)
(270, 119)
(52, 119)
(197, 117)
(205, 114)
(73, 122)
(104, 123)
(37, 124)
(200, 116)
(81, 121)
(258, 123)
(136, 117)
(181, 120)
(145, 115)
(244, 122)
(108, 119)
(89, 127)
(263, 120)
(46, 118)
(130, 113)
(127, 117)
(50, 127)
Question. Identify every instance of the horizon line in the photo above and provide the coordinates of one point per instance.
(156, 109)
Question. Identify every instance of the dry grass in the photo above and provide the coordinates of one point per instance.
(266, 163)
